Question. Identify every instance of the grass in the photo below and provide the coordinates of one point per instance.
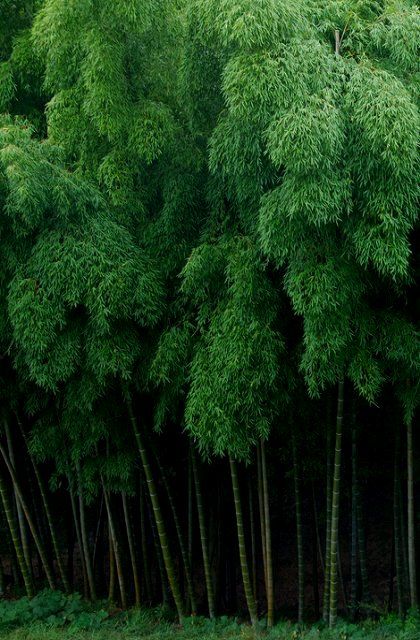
(53, 616)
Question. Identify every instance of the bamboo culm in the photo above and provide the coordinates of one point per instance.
(335, 507)
(252, 607)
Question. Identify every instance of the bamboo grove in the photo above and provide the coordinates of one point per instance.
(209, 356)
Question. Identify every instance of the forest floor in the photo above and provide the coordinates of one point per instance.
(100, 624)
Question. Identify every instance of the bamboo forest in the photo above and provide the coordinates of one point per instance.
(209, 345)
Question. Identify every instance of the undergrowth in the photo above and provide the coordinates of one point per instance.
(53, 616)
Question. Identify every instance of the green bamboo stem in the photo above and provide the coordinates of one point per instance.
(111, 585)
(48, 514)
(180, 536)
(78, 538)
(20, 514)
(131, 550)
(252, 607)
(397, 532)
(299, 535)
(38, 542)
(85, 543)
(361, 539)
(327, 571)
(270, 581)
(410, 518)
(336, 508)
(262, 516)
(145, 555)
(116, 547)
(14, 533)
(203, 536)
(160, 525)
(353, 523)
(253, 540)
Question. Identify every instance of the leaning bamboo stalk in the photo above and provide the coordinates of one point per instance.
(131, 550)
(85, 543)
(15, 538)
(47, 513)
(38, 542)
(178, 529)
(203, 536)
(116, 547)
(160, 524)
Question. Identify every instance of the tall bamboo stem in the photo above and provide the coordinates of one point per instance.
(299, 536)
(336, 507)
(116, 547)
(203, 536)
(27, 579)
(270, 582)
(131, 549)
(160, 524)
(252, 607)
(410, 518)
(85, 542)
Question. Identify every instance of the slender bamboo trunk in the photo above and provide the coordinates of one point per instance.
(14, 533)
(327, 572)
(38, 542)
(316, 524)
(98, 528)
(262, 516)
(253, 541)
(131, 550)
(336, 508)
(341, 576)
(315, 552)
(145, 555)
(116, 547)
(20, 514)
(160, 561)
(160, 524)
(299, 536)
(410, 518)
(180, 536)
(397, 531)
(203, 536)
(111, 586)
(85, 542)
(361, 539)
(353, 524)
(48, 514)
(78, 538)
(404, 538)
(252, 607)
(270, 581)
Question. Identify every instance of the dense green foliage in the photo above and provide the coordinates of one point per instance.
(208, 216)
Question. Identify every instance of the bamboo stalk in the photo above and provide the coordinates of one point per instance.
(336, 507)
(161, 529)
(252, 608)
(38, 542)
(270, 582)
(299, 536)
(131, 550)
(115, 544)
(15, 538)
(410, 518)
(85, 542)
(203, 536)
